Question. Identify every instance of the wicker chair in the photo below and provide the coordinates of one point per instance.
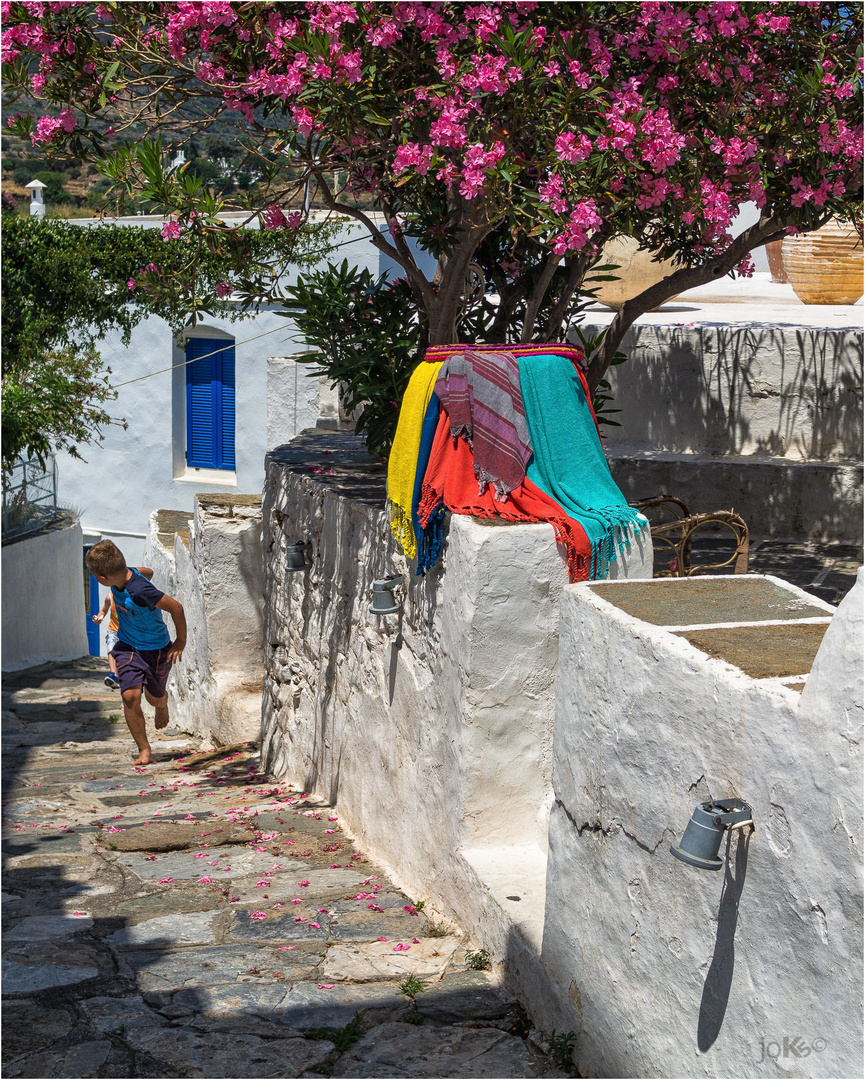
(673, 528)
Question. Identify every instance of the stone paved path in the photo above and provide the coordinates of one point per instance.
(194, 918)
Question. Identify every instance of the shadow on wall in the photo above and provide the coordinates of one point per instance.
(777, 499)
(719, 979)
(750, 390)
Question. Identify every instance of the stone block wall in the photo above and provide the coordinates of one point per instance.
(215, 572)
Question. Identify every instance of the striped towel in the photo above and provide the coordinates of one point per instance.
(402, 465)
(569, 462)
(480, 392)
(449, 484)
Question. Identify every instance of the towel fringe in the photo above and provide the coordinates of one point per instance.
(616, 541)
(402, 528)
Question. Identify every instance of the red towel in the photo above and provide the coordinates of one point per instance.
(450, 480)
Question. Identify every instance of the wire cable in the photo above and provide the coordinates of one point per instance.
(292, 356)
(172, 367)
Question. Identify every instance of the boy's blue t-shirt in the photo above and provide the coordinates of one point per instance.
(141, 624)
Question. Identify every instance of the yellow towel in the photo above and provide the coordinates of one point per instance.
(402, 463)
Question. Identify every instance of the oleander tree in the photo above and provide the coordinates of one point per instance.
(510, 140)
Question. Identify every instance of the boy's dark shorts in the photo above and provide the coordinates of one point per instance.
(142, 667)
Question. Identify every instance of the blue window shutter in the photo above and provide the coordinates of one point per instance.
(226, 432)
(209, 404)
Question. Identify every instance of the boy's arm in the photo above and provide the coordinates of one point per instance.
(175, 610)
(146, 571)
(106, 607)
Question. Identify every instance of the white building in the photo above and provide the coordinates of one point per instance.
(199, 415)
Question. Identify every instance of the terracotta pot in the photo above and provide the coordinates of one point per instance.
(637, 271)
(825, 266)
(776, 262)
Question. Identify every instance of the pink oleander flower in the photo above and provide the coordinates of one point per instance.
(274, 218)
(204, 880)
(572, 149)
(171, 230)
(326, 986)
(49, 127)
(401, 948)
(258, 915)
(131, 284)
(166, 880)
(303, 884)
(223, 289)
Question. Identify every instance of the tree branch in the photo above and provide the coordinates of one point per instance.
(533, 305)
(766, 230)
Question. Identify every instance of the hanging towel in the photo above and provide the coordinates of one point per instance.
(569, 463)
(573, 352)
(450, 484)
(480, 392)
(429, 539)
(403, 460)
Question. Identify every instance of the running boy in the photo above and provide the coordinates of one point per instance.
(144, 651)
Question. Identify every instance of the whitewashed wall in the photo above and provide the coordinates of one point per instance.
(763, 417)
(792, 392)
(662, 969)
(431, 730)
(215, 690)
(43, 599)
(141, 468)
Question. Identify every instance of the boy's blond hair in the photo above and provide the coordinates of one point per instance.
(105, 559)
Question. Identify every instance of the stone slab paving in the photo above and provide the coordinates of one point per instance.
(195, 918)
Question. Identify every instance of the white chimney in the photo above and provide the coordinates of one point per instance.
(37, 205)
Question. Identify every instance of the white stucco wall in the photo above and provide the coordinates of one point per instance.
(431, 729)
(666, 970)
(43, 599)
(792, 392)
(215, 690)
(137, 470)
(748, 406)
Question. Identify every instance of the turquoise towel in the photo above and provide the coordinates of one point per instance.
(569, 463)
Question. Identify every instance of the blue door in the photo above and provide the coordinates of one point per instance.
(91, 607)
(210, 403)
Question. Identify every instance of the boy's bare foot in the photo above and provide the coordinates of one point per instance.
(161, 718)
(144, 758)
